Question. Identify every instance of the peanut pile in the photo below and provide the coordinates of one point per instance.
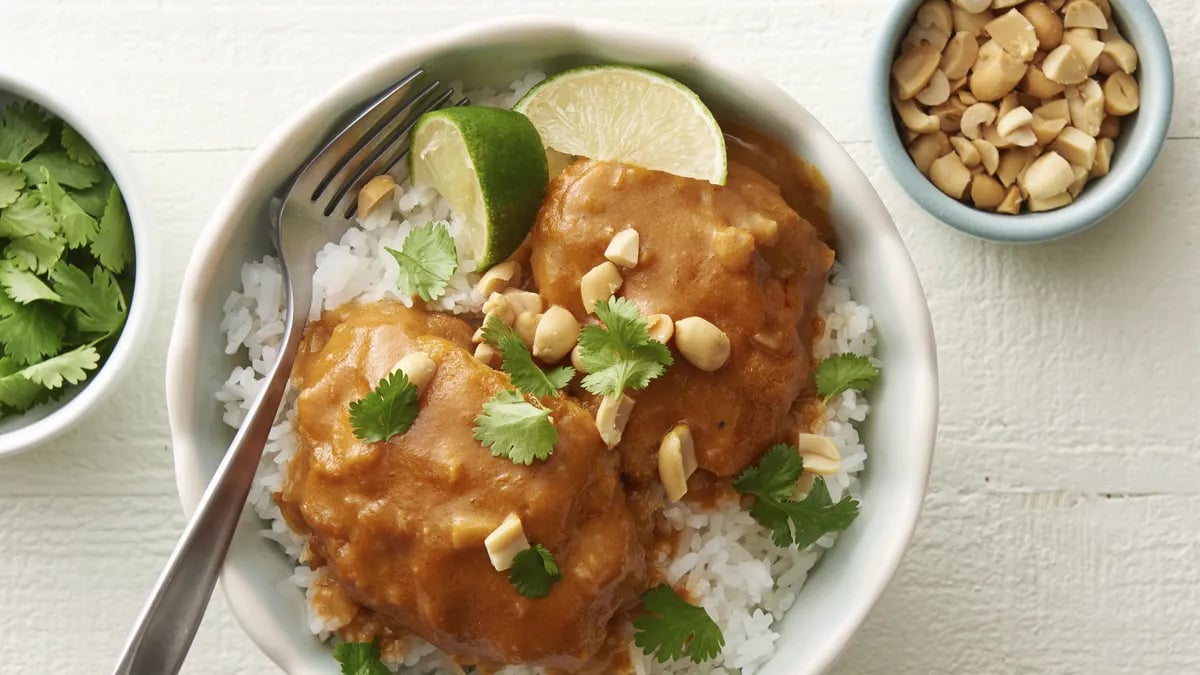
(1009, 104)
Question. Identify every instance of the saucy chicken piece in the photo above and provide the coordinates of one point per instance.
(401, 524)
(738, 256)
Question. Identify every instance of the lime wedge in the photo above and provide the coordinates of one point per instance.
(490, 164)
(629, 115)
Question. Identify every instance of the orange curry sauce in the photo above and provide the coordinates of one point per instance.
(398, 526)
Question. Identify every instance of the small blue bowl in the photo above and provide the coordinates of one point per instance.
(1137, 148)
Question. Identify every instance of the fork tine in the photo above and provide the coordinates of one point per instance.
(355, 134)
(383, 165)
(344, 157)
(382, 157)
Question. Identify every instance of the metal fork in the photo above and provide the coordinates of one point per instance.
(315, 209)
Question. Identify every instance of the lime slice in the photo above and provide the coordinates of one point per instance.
(490, 164)
(629, 115)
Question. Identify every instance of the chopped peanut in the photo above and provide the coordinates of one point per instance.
(623, 249)
(505, 542)
(419, 368)
(676, 461)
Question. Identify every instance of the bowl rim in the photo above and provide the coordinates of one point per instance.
(146, 267)
(191, 476)
(1135, 162)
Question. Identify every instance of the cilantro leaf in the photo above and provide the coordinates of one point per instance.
(64, 170)
(17, 392)
(360, 658)
(69, 366)
(775, 475)
(844, 371)
(24, 286)
(620, 354)
(427, 260)
(817, 514)
(100, 305)
(792, 523)
(518, 362)
(12, 180)
(113, 245)
(94, 199)
(516, 429)
(77, 227)
(31, 332)
(388, 411)
(533, 572)
(670, 628)
(22, 130)
(77, 147)
(7, 305)
(35, 253)
(26, 217)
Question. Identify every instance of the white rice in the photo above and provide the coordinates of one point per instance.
(727, 562)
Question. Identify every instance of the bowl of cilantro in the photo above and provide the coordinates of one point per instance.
(74, 285)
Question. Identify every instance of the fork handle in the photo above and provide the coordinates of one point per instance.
(168, 622)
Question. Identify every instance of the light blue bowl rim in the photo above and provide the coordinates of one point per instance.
(1138, 148)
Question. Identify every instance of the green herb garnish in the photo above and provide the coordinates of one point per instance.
(772, 483)
(360, 658)
(533, 572)
(427, 260)
(620, 354)
(671, 628)
(844, 371)
(66, 246)
(518, 362)
(516, 429)
(388, 411)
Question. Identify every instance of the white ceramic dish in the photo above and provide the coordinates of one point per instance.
(23, 432)
(899, 437)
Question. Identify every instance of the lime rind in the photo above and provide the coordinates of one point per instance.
(630, 115)
(490, 165)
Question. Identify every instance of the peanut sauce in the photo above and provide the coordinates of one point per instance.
(397, 527)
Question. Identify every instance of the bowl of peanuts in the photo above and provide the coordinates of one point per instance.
(1021, 120)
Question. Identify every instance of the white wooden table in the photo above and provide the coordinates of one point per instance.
(1062, 528)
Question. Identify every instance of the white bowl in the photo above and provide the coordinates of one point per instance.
(900, 434)
(22, 432)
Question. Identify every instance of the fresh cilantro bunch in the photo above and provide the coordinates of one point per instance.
(670, 628)
(66, 247)
(620, 354)
(772, 483)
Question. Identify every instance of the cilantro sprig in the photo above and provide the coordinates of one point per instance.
(844, 371)
(427, 260)
(518, 362)
(671, 628)
(534, 572)
(66, 247)
(360, 658)
(772, 483)
(388, 411)
(620, 354)
(516, 429)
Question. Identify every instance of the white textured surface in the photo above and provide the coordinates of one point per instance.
(1062, 529)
